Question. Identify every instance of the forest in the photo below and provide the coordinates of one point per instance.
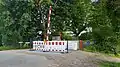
(20, 20)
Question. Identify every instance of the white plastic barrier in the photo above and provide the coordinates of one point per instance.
(73, 45)
(55, 46)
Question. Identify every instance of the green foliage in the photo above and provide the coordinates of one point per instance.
(5, 48)
(20, 20)
(118, 46)
(25, 46)
(15, 20)
(103, 30)
(60, 16)
(90, 48)
(66, 36)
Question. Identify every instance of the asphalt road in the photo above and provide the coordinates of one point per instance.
(17, 58)
(26, 58)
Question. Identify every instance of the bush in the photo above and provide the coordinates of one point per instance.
(90, 48)
(25, 46)
(106, 41)
(6, 48)
(22, 46)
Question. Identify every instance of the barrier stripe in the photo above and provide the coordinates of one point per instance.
(48, 30)
(56, 43)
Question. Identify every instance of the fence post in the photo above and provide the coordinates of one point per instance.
(31, 44)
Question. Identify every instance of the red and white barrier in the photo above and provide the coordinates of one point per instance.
(53, 46)
(48, 29)
(38, 45)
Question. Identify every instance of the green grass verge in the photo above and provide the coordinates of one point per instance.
(5, 48)
(109, 64)
(10, 48)
(89, 49)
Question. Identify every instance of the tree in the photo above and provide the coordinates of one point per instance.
(79, 16)
(14, 19)
(113, 7)
(113, 10)
(68, 15)
(103, 29)
(59, 16)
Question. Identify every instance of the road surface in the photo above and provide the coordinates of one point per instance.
(17, 58)
(26, 58)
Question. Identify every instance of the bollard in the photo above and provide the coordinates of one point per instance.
(67, 46)
(81, 45)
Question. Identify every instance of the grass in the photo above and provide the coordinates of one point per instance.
(92, 49)
(109, 64)
(5, 48)
(112, 55)
(104, 63)
(10, 48)
(89, 49)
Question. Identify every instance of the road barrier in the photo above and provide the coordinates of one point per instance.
(73, 45)
(56, 46)
(51, 46)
